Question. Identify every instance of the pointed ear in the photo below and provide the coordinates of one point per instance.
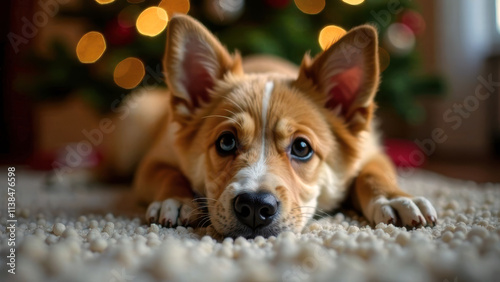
(346, 76)
(194, 60)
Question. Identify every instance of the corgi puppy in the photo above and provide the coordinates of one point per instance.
(254, 147)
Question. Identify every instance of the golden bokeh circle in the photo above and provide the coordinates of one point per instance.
(353, 2)
(102, 2)
(310, 7)
(129, 73)
(175, 6)
(329, 35)
(90, 47)
(152, 21)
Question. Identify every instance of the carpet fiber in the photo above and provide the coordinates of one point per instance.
(70, 232)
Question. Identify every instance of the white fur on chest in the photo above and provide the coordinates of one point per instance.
(334, 183)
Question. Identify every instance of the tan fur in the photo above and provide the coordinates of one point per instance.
(267, 64)
(183, 163)
(135, 125)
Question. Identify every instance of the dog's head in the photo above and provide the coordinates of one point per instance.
(266, 149)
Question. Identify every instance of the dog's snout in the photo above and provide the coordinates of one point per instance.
(256, 209)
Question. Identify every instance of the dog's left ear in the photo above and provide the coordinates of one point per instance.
(346, 76)
(194, 60)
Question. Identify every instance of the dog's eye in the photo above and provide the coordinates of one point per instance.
(301, 150)
(226, 144)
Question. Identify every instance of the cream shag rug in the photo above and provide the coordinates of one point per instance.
(69, 232)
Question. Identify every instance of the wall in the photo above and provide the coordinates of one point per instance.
(463, 42)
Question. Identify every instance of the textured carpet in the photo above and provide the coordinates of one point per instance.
(70, 232)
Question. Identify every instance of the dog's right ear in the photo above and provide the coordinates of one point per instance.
(194, 60)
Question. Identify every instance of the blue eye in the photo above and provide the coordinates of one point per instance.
(226, 144)
(301, 150)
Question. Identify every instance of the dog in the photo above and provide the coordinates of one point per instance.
(254, 147)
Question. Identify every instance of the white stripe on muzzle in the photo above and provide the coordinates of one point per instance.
(248, 177)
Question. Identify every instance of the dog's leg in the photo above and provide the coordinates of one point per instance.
(168, 192)
(378, 196)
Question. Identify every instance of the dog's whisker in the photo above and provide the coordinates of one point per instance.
(234, 103)
(312, 215)
(321, 213)
(317, 210)
(205, 220)
(200, 209)
(221, 116)
(306, 220)
(229, 111)
(301, 207)
(204, 206)
(316, 213)
(302, 217)
(312, 207)
(202, 221)
(204, 198)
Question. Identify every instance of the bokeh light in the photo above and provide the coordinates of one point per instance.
(329, 35)
(152, 21)
(414, 21)
(102, 2)
(384, 59)
(310, 7)
(129, 73)
(90, 47)
(353, 2)
(175, 6)
(399, 39)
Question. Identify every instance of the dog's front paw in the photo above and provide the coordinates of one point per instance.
(402, 211)
(169, 213)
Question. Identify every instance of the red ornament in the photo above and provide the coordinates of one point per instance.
(414, 21)
(404, 153)
(119, 34)
(278, 4)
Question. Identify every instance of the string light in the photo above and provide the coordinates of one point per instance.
(103, 2)
(129, 73)
(310, 7)
(353, 2)
(329, 35)
(175, 6)
(152, 21)
(90, 47)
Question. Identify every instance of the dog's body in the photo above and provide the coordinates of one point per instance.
(254, 147)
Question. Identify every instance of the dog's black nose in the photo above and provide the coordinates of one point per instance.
(256, 209)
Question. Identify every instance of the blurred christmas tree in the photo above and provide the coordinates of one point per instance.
(125, 44)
